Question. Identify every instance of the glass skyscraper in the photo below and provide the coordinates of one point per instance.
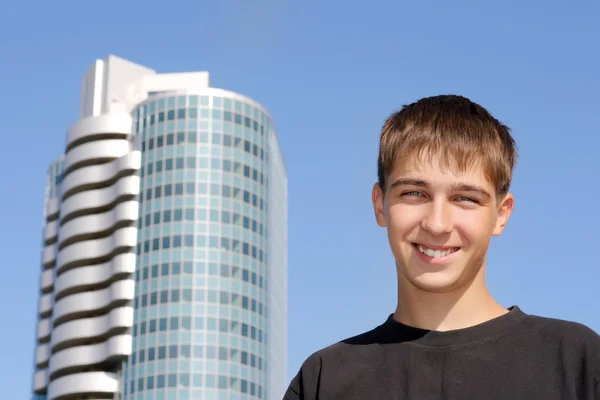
(164, 270)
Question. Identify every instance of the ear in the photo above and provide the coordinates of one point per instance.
(377, 198)
(505, 209)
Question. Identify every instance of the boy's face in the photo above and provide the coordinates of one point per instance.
(439, 222)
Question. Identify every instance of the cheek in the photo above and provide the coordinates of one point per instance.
(474, 226)
(402, 220)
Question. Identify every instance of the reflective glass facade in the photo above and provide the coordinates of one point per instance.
(53, 179)
(203, 300)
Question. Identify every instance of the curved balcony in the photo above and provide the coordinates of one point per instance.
(51, 231)
(102, 125)
(40, 380)
(89, 328)
(87, 225)
(97, 152)
(47, 280)
(93, 354)
(43, 330)
(99, 199)
(95, 384)
(45, 304)
(49, 256)
(79, 278)
(52, 209)
(89, 251)
(80, 304)
(99, 175)
(42, 354)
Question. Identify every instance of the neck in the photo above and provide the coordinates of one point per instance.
(465, 306)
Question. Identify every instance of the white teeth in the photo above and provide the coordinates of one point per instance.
(436, 253)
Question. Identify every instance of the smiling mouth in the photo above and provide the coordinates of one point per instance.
(435, 253)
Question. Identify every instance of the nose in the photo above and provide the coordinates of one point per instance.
(438, 219)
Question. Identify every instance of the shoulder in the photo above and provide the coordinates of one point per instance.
(351, 348)
(576, 344)
(566, 331)
(349, 352)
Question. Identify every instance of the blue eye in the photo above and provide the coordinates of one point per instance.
(463, 198)
(413, 193)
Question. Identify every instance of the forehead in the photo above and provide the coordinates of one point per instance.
(437, 167)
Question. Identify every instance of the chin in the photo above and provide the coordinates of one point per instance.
(441, 279)
(435, 282)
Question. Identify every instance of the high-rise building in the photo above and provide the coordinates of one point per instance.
(164, 267)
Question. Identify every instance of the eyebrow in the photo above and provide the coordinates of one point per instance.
(459, 186)
(408, 182)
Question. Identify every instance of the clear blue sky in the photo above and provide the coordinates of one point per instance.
(329, 72)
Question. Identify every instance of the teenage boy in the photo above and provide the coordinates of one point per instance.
(444, 172)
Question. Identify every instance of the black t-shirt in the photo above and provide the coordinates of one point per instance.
(515, 356)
